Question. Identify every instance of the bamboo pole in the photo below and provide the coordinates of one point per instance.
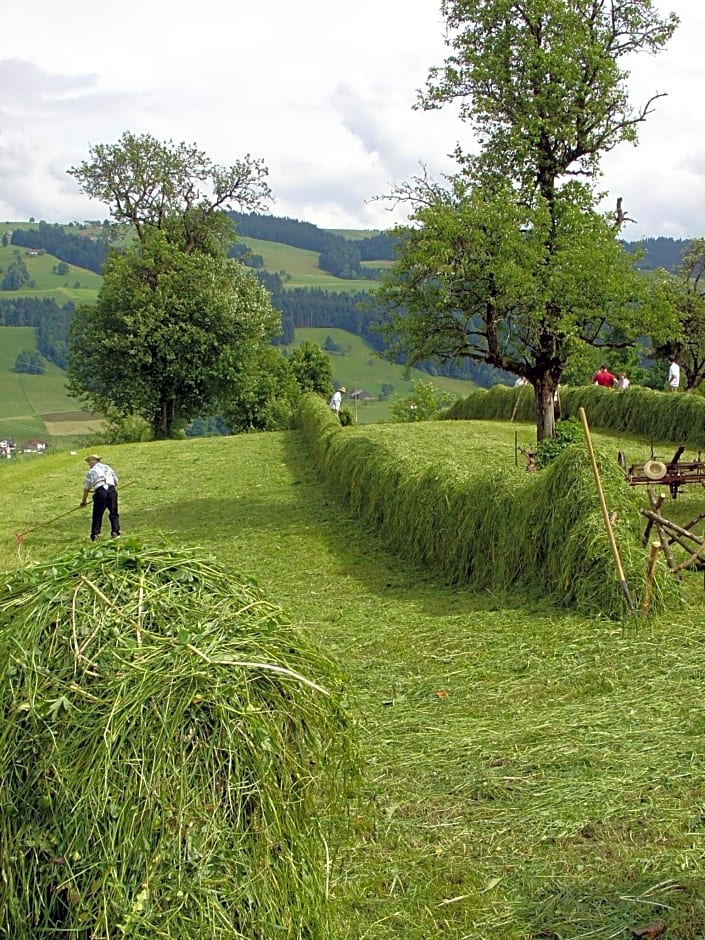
(605, 513)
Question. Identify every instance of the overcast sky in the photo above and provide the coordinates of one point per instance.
(322, 91)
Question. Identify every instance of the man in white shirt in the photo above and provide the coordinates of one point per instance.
(103, 481)
(337, 400)
(674, 376)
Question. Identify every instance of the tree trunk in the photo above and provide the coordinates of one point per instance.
(545, 397)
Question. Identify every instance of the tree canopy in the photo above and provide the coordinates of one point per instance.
(511, 264)
(177, 322)
(175, 187)
(684, 292)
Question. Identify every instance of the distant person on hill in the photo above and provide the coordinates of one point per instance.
(623, 381)
(337, 400)
(604, 377)
(674, 376)
(103, 481)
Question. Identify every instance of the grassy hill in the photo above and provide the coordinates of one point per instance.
(528, 773)
(356, 367)
(301, 266)
(36, 406)
(79, 285)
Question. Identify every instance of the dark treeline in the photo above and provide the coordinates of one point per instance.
(242, 253)
(49, 319)
(659, 252)
(81, 250)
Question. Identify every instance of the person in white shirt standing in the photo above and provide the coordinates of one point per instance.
(103, 481)
(674, 376)
(337, 400)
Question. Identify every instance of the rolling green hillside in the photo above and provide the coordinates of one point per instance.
(356, 367)
(78, 285)
(36, 406)
(301, 266)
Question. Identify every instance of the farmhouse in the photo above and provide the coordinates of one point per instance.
(33, 447)
(361, 395)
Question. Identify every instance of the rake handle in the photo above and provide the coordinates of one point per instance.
(605, 512)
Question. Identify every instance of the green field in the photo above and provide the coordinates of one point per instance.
(79, 285)
(529, 773)
(36, 406)
(359, 367)
(301, 266)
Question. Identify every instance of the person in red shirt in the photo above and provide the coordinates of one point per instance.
(604, 378)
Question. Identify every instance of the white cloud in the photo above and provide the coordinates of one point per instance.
(322, 93)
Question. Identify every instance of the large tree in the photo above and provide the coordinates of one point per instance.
(171, 334)
(511, 264)
(176, 322)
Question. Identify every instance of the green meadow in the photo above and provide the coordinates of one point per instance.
(301, 266)
(36, 406)
(528, 773)
(78, 285)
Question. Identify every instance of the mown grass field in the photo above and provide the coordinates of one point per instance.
(529, 773)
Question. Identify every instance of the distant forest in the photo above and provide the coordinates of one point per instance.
(356, 312)
(49, 319)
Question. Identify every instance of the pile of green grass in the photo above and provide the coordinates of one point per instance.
(172, 752)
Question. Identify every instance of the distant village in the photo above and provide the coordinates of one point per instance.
(9, 448)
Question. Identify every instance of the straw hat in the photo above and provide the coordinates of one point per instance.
(93, 457)
(342, 389)
(655, 469)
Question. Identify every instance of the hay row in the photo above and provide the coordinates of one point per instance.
(543, 533)
(641, 412)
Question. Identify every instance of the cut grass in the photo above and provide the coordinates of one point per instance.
(530, 773)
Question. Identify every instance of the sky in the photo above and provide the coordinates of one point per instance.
(322, 91)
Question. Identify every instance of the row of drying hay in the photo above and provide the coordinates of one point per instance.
(661, 416)
(174, 752)
(543, 533)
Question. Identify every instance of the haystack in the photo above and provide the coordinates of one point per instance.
(172, 753)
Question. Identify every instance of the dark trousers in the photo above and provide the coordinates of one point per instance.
(105, 499)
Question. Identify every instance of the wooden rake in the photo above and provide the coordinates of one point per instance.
(20, 536)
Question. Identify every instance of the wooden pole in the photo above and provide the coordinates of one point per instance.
(650, 571)
(605, 513)
(516, 401)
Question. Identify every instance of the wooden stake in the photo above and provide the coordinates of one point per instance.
(650, 571)
(605, 513)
